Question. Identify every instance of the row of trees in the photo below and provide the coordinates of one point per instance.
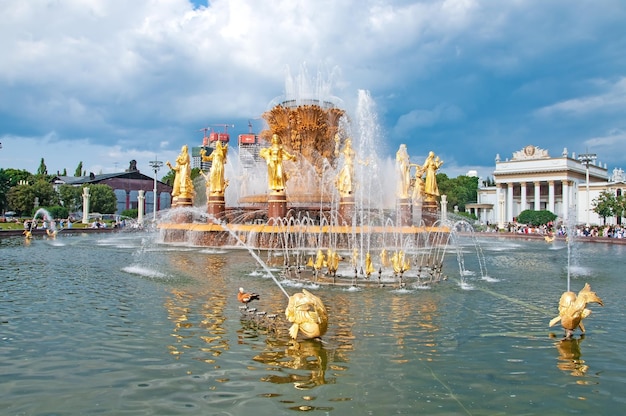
(21, 198)
(23, 192)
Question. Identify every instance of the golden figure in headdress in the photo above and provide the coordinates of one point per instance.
(183, 186)
(404, 169)
(274, 157)
(430, 166)
(216, 182)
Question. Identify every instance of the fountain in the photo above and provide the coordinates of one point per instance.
(327, 191)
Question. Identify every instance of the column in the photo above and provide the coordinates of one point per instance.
(551, 196)
(537, 196)
(524, 203)
(140, 206)
(127, 199)
(509, 202)
(565, 197)
(497, 206)
(86, 198)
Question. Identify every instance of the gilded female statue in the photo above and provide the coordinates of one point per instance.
(345, 178)
(431, 165)
(216, 182)
(183, 187)
(404, 168)
(274, 157)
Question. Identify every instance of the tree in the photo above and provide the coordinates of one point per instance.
(18, 175)
(169, 177)
(102, 200)
(605, 205)
(71, 197)
(42, 170)
(21, 198)
(45, 192)
(536, 218)
(460, 190)
(4, 188)
(79, 169)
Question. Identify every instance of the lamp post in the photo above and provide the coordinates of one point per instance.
(155, 165)
(586, 159)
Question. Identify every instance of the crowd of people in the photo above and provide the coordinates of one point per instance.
(560, 230)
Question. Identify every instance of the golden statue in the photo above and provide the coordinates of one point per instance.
(573, 309)
(183, 186)
(215, 181)
(274, 157)
(345, 178)
(355, 257)
(308, 314)
(332, 261)
(399, 262)
(369, 267)
(319, 261)
(384, 260)
(404, 167)
(418, 183)
(430, 166)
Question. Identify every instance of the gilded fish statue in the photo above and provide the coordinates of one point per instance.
(573, 309)
(308, 314)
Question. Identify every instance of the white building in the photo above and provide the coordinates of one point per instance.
(531, 179)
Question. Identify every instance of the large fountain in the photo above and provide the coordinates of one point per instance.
(327, 196)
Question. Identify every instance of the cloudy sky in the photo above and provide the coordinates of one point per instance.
(107, 81)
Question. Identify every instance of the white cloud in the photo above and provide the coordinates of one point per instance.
(612, 99)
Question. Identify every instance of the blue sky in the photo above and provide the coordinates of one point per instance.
(107, 81)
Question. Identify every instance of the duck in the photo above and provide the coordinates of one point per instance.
(573, 309)
(246, 297)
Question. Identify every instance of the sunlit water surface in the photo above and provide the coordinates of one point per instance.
(119, 324)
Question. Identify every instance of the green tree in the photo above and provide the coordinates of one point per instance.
(169, 177)
(71, 197)
(102, 199)
(21, 199)
(42, 170)
(18, 175)
(620, 208)
(79, 169)
(45, 192)
(460, 190)
(605, 205)
(536, 218)
(5, 185)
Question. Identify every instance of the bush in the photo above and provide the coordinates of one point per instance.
(535, 218)
(130, 213)
(57, 211)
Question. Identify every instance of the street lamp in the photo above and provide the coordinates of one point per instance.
(586, 159)
(155, 165)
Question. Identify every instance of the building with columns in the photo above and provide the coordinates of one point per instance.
(532, 179)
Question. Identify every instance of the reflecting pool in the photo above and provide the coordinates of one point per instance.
(120, 324)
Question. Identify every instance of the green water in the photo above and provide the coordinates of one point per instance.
(119, 324)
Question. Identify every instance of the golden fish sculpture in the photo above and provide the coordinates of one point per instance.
(573, 309)
(308, 314)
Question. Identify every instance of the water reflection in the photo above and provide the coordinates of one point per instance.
(569, 356)
(198, 314)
